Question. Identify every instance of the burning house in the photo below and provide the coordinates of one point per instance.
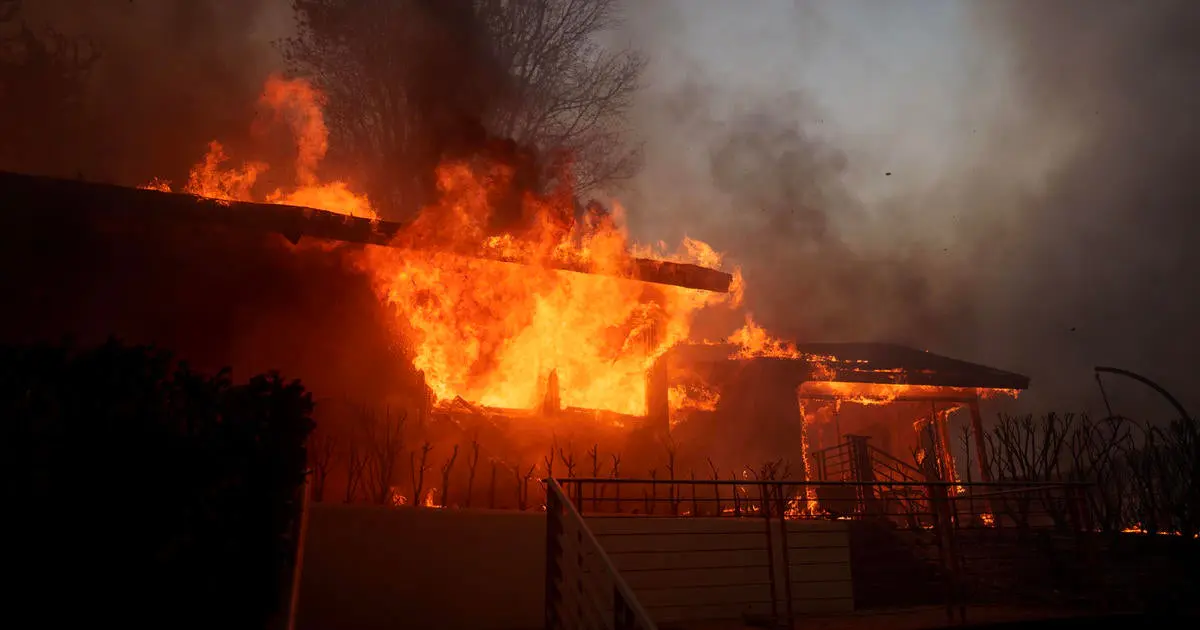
(552, 335)
(739, 402)
(455, 364)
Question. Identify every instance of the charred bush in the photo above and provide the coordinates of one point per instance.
(145, 493)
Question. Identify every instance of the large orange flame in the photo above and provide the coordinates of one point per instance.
(490, 332)
(297, 104)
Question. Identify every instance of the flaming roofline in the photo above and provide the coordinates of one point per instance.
(45, 198)
(870, 363)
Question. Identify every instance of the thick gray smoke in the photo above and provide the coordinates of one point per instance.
(1103, 253)
(1059, 236)
(789, 214)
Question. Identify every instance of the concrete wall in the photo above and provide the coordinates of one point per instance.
(368, 568)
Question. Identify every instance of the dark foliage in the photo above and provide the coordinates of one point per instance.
(145, 493)
(1141, 476)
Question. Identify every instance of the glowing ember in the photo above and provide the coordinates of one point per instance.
(1138, 529)
(885, 393)
(693, 398)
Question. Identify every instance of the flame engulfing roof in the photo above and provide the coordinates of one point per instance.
(876, 363)
(47, 197)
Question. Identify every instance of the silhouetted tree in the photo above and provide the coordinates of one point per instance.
(385, 444)
(148, 494)
(408, 81)
(323, 456)
(42, 90)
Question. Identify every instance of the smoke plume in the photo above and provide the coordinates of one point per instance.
(1057, 234)
(1106, 246)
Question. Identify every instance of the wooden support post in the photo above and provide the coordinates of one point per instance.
(837, 422)
(658, 406)
(552, 400)
(941, 424)
(806, 446)
(985, 473)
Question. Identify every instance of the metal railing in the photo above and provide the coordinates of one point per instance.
(583, 589)
(913, 503)
(941, 542)
(856, 458)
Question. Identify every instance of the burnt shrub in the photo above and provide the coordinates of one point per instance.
(144, 493)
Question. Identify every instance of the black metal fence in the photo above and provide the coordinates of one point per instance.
(908, 503)
(908, 543)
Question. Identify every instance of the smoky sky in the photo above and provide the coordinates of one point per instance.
(1057, 231)
(169, 76)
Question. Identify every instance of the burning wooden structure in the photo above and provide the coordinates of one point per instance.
(755, 405)
(823, 398)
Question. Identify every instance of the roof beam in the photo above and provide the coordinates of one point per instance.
(45, 198)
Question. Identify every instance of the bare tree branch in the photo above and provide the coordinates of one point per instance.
(322, 452)
(562, 92)
(384, 442)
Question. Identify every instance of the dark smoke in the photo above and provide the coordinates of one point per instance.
(455, 80)
(411, 84)
(790, 209)
(1105, 252)
(168, 77)
(1074, 209)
